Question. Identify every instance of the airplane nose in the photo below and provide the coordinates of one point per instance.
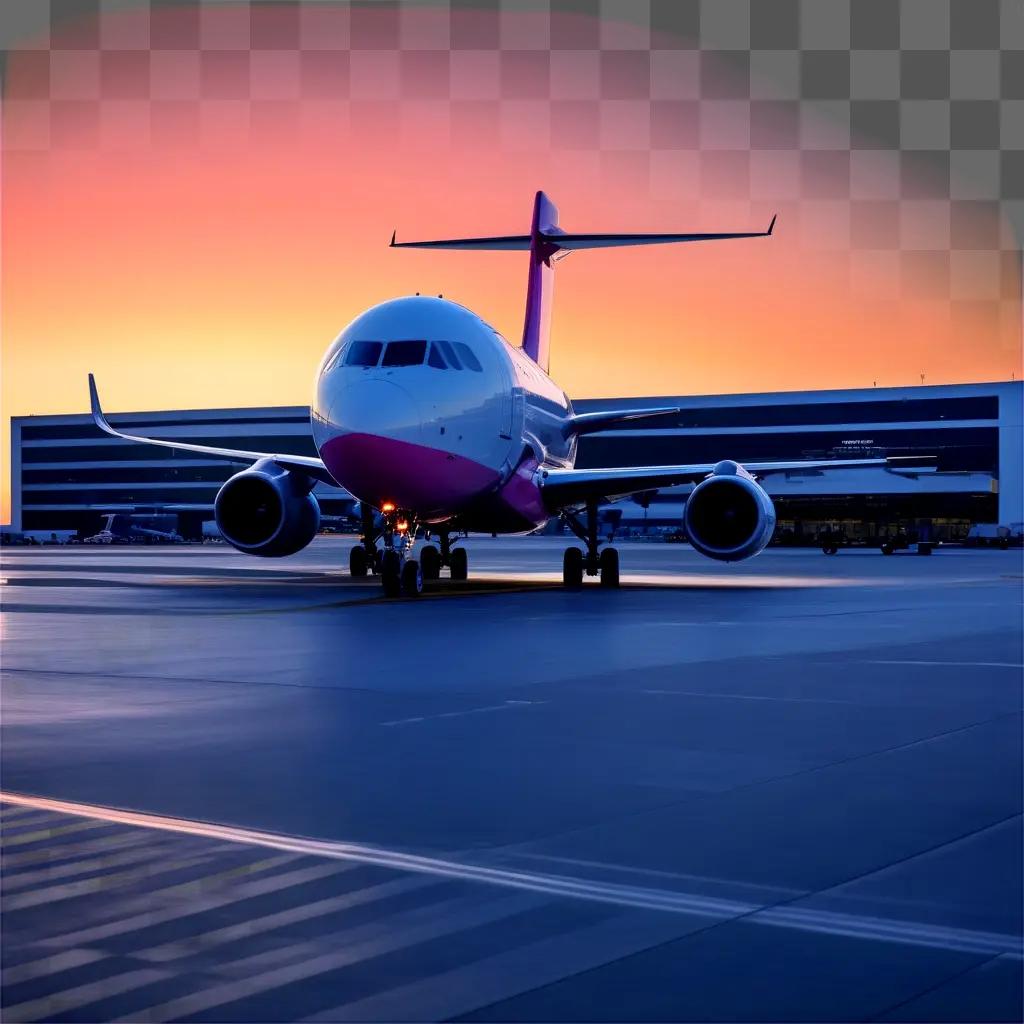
(380, 408)
(375, 443)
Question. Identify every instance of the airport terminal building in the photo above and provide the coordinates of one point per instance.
(66, 474)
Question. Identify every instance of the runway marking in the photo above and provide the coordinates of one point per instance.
(149, 917)
(48, 833)
(244, 891)
(138, 854)
(746, 696)
(50, 965)
(374, 929)
(97, 883)
(370, 894)
(506, 706)
(8, 813)
(48, 1007)
(637, 897)
(73, 852)
(952, 664)
(20, 826)
(395, 938)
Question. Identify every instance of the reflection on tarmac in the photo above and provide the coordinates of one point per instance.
(783, 789)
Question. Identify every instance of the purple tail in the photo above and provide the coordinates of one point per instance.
(547, 242)
(540, 284)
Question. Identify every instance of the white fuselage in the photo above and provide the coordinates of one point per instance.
(452, 424)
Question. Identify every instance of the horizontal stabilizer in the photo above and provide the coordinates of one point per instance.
(559, 241)
(497, 243)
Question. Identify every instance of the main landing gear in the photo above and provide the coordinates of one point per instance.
(401, 575)
(594, 563)
(432, 559)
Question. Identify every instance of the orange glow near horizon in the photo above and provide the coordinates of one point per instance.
(210, 265)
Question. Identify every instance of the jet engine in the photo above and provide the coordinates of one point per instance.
(267, 510)
(729, 515)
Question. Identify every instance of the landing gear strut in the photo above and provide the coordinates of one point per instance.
(456, 559)
(400, 574)
(364, 557)
(593, 563)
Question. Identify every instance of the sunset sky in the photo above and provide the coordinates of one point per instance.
(197, 242)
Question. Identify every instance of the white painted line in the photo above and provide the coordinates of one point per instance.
(633, 896)
(554, 885)
(51, 965)
(951, 664)
(308, 967)
(186, 908)
(39, 835)
(305, 912)
(138, 853)
(98, 883)
(71, 852)
(747, 696)
(134, 922)
(50, 1006)
(12, 813)
(506, 706)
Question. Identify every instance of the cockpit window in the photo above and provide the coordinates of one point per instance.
(436, 359)
(404, 353)
(468, 356)
(333, 361)
(363, 353)
(449, 354)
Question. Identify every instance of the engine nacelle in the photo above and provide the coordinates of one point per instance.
(729, 515)
(267, 511)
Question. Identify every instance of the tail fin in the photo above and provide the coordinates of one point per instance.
(547, 242)
(540, 284)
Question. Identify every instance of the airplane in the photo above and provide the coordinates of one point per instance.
(436, 424)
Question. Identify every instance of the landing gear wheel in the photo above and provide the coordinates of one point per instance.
(830, 549)
(378, 561)
(391, 573)
(572, 568)
(459, 564)
(887, 549)
(412, 578)
(430, 562)
(357, 561)
(609, 567)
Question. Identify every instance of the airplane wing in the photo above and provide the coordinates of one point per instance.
(312, 467)
(564, 488)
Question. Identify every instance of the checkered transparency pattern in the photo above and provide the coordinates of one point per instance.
(891, 131)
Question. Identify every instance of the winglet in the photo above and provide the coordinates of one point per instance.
(771, 226)
(394, 234)
(97, 412)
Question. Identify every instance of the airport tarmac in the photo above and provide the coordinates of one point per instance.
(235, 789)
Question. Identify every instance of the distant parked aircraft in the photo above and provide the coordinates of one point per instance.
(429, 417)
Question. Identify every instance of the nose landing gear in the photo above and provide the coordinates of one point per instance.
(400, 573)
(575, 563)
